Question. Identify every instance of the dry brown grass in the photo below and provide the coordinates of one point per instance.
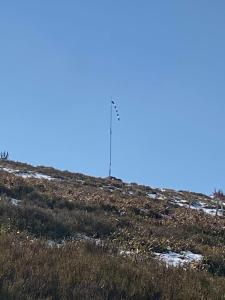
(121, 215)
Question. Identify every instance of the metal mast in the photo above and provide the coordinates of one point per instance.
(113, 104)
(110, 143)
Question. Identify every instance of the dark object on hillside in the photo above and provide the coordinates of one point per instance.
(4, 155)
(114, 178)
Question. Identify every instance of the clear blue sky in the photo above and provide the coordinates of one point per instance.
(163, 62)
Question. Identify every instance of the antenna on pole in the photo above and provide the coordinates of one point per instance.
(111, 123)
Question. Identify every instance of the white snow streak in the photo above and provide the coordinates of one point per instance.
(200, 206)
(15, 202)
(27, 174)
(179, 259)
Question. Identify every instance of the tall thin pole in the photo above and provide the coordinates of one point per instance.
(110, 144)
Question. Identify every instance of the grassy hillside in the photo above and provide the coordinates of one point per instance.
(70, 236)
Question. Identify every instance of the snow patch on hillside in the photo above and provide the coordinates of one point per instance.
(27, 174)
(15, 201)
(152, 196)
(156, 196)
(127, 253)
(35, 175)
(179, 259)
(84, 237)
(198, 205)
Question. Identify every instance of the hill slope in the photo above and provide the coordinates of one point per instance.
(70, 236)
